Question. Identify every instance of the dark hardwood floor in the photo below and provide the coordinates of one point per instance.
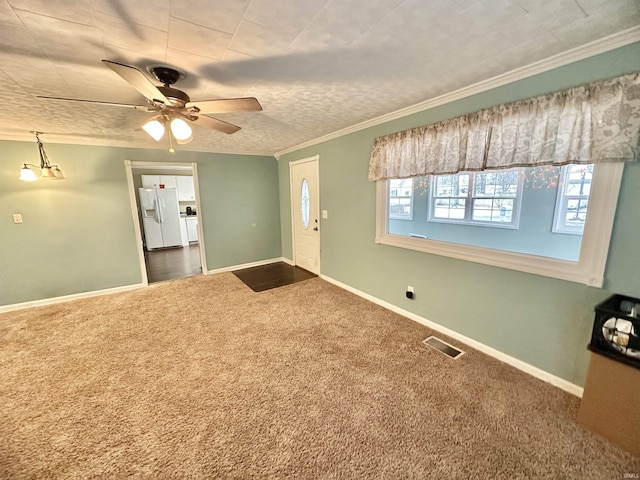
(169, 263)
(272, 275)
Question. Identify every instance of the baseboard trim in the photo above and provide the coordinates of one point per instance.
(492, 352)
(108, 291)
(288, 262)
(69, 298)
(246, 265)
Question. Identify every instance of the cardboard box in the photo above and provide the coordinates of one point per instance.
(610, 402)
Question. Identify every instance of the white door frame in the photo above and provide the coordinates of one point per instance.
(132, 164)
(316, 159)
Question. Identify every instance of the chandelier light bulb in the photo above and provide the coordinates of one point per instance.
(27, 175)
(57, 174)
(47, 172)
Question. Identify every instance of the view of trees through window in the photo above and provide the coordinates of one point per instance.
(530, 219)
(573, 199)
(401, 198)
(490, 196)
(537, 210)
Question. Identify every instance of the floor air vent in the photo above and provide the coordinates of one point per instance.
(443, 347)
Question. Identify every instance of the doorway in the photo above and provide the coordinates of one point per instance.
(305, 212)
(166, 211)
(173, 262)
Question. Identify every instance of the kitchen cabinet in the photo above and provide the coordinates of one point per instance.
(150, 181)
(183, 232)
(186, 189)
(184, 184)
(169, 181)
(192, 228)
(154, 181)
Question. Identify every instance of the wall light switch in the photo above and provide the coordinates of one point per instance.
(17, 218)
(325, 214)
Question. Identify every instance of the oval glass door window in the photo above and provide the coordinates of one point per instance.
(304, 203)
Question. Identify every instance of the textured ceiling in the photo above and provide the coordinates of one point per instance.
(316, 66)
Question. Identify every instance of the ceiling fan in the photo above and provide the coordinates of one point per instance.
(172, 106)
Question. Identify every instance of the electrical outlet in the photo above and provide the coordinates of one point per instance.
(17, 217)
(410, 293)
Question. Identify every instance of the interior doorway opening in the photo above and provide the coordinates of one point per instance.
(166, 212)
(172, 262)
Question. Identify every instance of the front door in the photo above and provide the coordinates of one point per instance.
(305, 202)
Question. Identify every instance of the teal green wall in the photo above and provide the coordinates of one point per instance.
(239, 197)
(78, 234)
(542, 321)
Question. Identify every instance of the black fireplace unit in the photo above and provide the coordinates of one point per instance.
(616, 329)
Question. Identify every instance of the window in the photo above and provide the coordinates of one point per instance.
(534, 199)
(573, 199)
(401, 198)
(304, 203)
(485, 198)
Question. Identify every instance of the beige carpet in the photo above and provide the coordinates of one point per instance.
(203, 378)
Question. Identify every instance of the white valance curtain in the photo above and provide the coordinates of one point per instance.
(592, 123)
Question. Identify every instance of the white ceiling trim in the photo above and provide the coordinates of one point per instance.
(142, 165)
(46, 139)
(587, 50)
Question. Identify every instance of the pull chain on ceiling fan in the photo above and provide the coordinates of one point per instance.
(172, 107)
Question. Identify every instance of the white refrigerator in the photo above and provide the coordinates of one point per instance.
(160, 217)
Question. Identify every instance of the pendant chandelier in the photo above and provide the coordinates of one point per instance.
(47, 170)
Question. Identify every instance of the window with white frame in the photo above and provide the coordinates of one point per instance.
(471, 241)
(490, 198)
(573, 199)
(401, 199)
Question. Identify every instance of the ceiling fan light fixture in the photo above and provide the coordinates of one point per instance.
(181, 130)
(170, 105)
(27, 175)
(155, 129)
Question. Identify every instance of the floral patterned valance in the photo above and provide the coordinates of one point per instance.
(592, 123)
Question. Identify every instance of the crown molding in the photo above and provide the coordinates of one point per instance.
(53, 138)
(611, 42)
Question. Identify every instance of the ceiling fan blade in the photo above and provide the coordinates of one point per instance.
(141, 108)
(137, 80)
(216, 124)
(228, 105)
